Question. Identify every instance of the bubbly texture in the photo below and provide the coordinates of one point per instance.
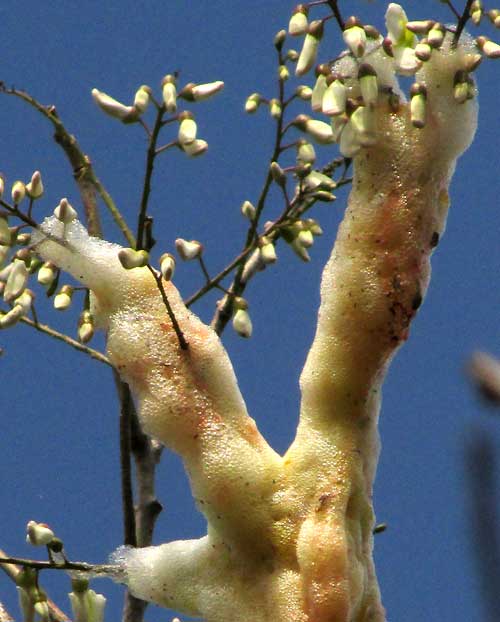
(289, 538)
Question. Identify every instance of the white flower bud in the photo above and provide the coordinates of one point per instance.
(300, 250)
(188, 249)
(355, 37)
(313, 226)
(423, 50)
(130, 258)
(167, 266)
(12, 317)
(252, 265)
(47, 273)
(18, 192)
(187, 129)
(476, 12)
(114, 108)
(242, 323)
(435, 36)
(39, 534)
(309, 52)
(421, 27)
(16, 281)
(304, 92)
(141, 98)
(278, 174)
(248, 210)
(368, 83)
(196, 148)
(363, 124)
(275, 108)
(305, 238)
(204, 91)
(494, 15)
(169, 93)
(35, 187)
(298, 23)
(319, 131)
(334, 99)
(349, 144)
(62, 300)
(65, 212)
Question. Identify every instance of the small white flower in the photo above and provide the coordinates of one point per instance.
(39, 534)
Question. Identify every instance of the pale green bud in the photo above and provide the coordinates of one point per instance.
(304, 92)
(17, 280)
(334, 99)
(169, 93)
(318, 92)
(313, 226)
(167, 266)
(494, 15)
(309, 52)
(42, 609)
(188, 249)
(279, 39)
(489, 48)
(268, 253)
(5, 233)
(85, 326)
(283, 73)
(476, 12)
(363, 123)
(35, 187)
(252, 103)
(130, 258)
(367, 78)
(62, 300)
(23, 239)
(305, 152)
(47, 274)
(248, 210)
(305, 238)
(461, 87)
(275, 108)
(298, 23)
(18, 192)
(319, 181)
(292, 55)
(278, 174)
(142, 98)
(187, 129)
(418, 105)
(300, 250)
(65, 212)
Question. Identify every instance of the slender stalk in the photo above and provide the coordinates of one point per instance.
(333, 4)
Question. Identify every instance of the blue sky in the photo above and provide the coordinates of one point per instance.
(58, 447)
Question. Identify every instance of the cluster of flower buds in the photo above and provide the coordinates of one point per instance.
(242, 323)
(14, 280)
(300, 236)
(87, 605)
(126, 114)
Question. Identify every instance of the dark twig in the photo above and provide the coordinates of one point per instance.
(462, 20)
(126, 407)
(333, 4)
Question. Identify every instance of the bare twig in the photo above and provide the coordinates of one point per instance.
(462, 19)
(87, 181)
(333, 4)
(44, 328)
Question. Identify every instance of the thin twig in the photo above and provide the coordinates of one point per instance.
(43, 328)
(462, 21)
(83, 172)
(146, 190)
(333, 4)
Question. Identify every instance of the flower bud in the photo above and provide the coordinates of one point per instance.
(318, 92)
(421, 27)
(4, 251)
(319, 181)
(313, 226)
(489, 48)
(268, 252)
(35, 187)
(23, 239)
(39, 534)
(242, 323)
(141, 98)
(114, 108)
(418, 104)
(309, 52)
(435, 36)
(12, 317)
(252, 103)
(300, 250)
(461, 87)
(130, 258)
(283, 73)
(298, 23)
(305, 152)
(18, 192)
(65, 212)
(169, 93)
(187, 129)
(188, 249)
(248, 210)
(47, 273)
(5, 233)
(363, 123)
(62, 300)
(367, 77)
(319, 131)
(494, 15)
(196, 148)
(275, 108)
(252, 265)
(334, 99)
(167, 266)
(25, 300)
(423, 50)
(355, 36)
(279, 39)
(85, 326)
(278, 174)
(17, 280)
(305, 238)
(198, 92)
(292, 55)
(476, 12)
(304, 92)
